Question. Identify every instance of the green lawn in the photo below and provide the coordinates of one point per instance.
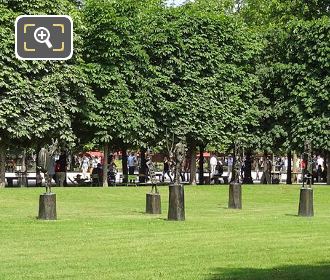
(104, 234)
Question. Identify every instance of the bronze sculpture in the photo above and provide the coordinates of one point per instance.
(235, 186)
(237, 163)
(179, 157)
(176, 209)
(307, 160)
(152, 174)
(44, 161)
(153, 201)
(306, 200)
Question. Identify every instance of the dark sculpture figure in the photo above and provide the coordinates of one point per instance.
(235, 186)
(237, 163)
(152, 174)
(179, 157)
(44, 158)
(307, 161)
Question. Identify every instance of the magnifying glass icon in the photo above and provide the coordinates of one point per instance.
(41, 35)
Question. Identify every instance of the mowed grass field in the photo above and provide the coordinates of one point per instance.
(105, 234)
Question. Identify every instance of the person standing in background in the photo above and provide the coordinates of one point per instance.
(213, 165)
(94, 161)
(319, 160)
(60, 170)
(166, 170)
(319, 174)
(84, 166)
(219, 167)
(131, 162)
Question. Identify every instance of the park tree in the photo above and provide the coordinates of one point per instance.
(38, 99)
(118, 67)
(294, 73)
(170, 64)
(203, 63)
(297, 84)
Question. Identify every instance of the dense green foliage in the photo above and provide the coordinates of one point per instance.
(118, 69)
(104, 234)
(273, 12)
(294, 72)
(38, 98)
(297, 83)
(212, 71)
(204, 71)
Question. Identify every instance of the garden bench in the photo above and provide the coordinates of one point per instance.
(217, 177)
(10, 180)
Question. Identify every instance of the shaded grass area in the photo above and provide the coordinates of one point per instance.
(104, 234)
(295, 272)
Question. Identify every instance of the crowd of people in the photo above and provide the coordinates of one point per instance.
(90, 168)
(267, 166)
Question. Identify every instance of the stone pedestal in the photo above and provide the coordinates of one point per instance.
(176, 203)
(306, 208)
(153, 203)
(235, 196)
(47, 206)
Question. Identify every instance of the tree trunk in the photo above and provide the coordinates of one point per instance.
(124, 165)
(328, 167)
(192, 180)
(233, 172)
(105, 165)
(143, 166)
(2, 165)
(289, 168)
(201, 165)
(235, 196)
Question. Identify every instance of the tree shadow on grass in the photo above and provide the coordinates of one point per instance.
(291, 272)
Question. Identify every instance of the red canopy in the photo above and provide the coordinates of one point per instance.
(93, 154)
